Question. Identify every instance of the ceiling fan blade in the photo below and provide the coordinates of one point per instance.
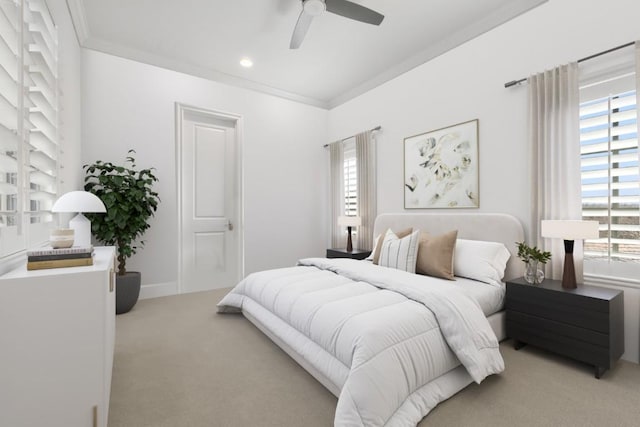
(302, 26)
(354, 11)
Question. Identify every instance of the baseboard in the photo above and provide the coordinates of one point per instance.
(155, 290)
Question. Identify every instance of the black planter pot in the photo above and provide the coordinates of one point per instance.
(127, 291)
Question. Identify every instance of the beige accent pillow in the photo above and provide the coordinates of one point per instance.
(378, 248)
(435, 255)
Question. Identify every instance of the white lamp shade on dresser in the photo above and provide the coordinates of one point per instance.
(79, 201)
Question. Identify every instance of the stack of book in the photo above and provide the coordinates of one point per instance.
(74, 256)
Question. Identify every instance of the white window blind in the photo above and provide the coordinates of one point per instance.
(350, 178)
(29, 139)
(610, 171)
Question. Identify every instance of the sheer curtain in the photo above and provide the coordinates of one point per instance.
(336, 165)
(555, 140)
(367, 203)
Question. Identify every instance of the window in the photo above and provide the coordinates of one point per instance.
(353, 186)
(29, 148)
(610, 171)
(350, 178)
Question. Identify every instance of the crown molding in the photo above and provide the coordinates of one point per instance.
(197, 71)
(500, 16)
(79, 19)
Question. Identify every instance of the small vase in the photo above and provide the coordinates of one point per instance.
(532, 274)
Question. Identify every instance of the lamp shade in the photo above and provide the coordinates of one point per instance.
(78, 201)
(349, 221)
(570, 229)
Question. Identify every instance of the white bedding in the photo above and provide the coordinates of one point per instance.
(490, 297)
(384, 337)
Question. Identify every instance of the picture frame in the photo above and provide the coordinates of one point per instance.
(441, 168)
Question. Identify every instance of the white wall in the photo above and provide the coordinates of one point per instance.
(467, 83)
(127, 104)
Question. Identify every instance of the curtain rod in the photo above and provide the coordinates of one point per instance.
(370, 130)
(595, 55)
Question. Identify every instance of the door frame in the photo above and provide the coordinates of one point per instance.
(180, 111)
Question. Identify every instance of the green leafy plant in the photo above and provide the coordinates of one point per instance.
(527, 253)
(130, 200)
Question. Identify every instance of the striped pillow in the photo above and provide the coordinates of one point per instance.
(401, 254)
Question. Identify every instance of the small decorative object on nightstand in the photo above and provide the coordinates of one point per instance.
(533, 257)
(586, 323)
(341, 253)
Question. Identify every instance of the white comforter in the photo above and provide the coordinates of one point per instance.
(382, 335)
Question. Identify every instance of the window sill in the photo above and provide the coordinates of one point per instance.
(12, 262)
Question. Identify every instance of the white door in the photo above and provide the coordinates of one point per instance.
(209, 200)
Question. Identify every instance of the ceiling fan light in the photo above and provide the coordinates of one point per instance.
(314, 7)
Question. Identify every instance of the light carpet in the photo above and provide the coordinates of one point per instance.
(179, 364)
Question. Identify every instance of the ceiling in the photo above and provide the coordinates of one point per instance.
(338, 60)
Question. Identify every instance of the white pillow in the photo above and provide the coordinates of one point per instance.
(479, 260)
(375, 243)
(401, 254)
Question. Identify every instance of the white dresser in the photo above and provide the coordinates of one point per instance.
(57, 332)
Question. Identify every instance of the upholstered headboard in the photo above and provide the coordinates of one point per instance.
(472, 226)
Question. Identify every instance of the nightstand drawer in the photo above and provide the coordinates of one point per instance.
(559, 311)
(550, 328)
(566, 346)
(569, 298)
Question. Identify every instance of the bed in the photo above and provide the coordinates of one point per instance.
(389, 344)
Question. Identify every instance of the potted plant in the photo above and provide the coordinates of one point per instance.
(533, 257)
(130, 200)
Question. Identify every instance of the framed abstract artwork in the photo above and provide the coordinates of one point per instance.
(441, 168)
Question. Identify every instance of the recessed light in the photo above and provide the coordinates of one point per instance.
(246, 63)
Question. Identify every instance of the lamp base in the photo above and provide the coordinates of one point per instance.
(82, 230)
(569, 271)
(349, 244)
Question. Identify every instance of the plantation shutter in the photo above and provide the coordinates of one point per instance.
(29, 140)
(11, 132)
(350, 178)
(610, 174)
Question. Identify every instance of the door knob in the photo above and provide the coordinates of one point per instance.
(230, 225)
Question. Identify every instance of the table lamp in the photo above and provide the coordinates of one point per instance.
(79, 201)
(569, 230)
(349, 221)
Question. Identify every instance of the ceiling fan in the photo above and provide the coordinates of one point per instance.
(313, 8)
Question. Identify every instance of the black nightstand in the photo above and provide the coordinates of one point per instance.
(586, 323)
(342, 253)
